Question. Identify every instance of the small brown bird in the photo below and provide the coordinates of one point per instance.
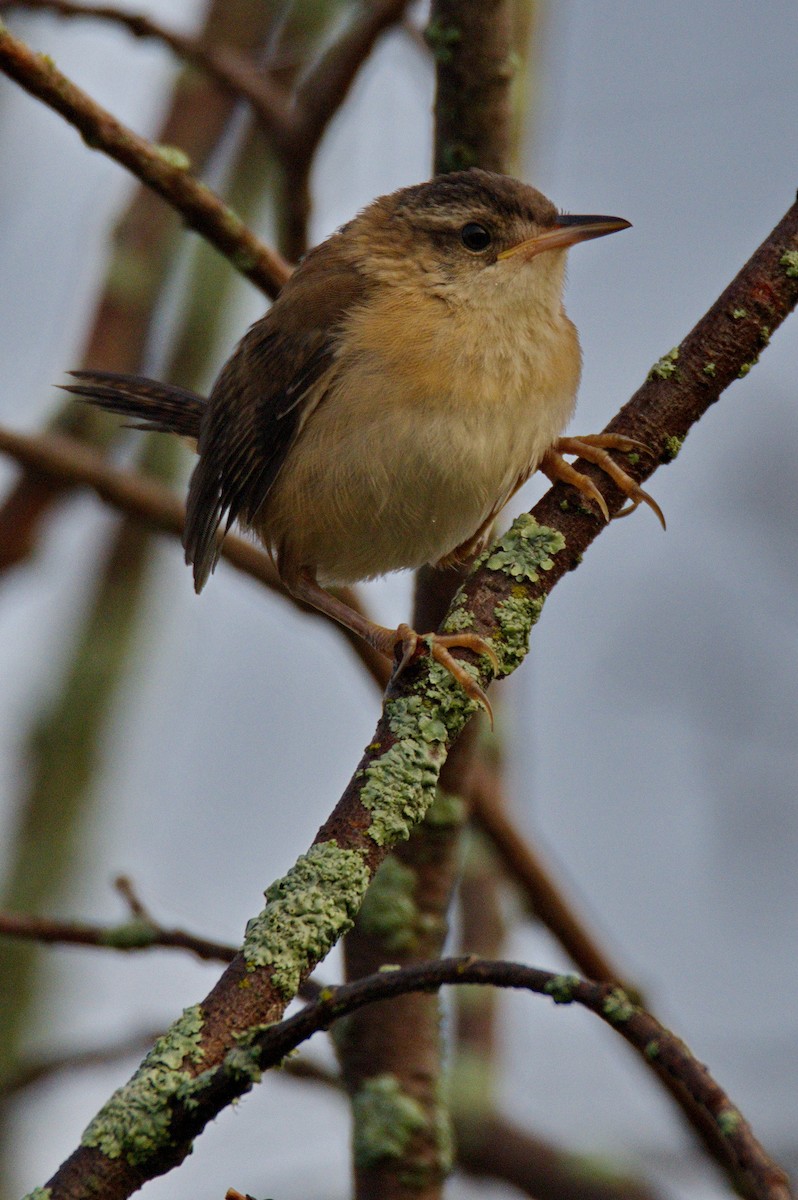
(415, 370)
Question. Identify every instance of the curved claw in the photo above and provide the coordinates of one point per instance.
(593, 448)
(439, 644)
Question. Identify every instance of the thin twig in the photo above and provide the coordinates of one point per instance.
(663, 1052)
(229, 67)
(161, 168)
(136, 934)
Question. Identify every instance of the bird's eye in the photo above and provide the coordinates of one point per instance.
(475, 237)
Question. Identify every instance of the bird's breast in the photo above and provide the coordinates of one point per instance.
(429, 419)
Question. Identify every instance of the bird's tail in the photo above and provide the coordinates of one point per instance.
(151, 405)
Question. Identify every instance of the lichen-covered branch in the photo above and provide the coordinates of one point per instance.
(394, 784)
(197, 1096)
(162, 168)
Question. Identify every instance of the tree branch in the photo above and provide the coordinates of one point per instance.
(161, 168)
(309, 909)
(662, 1051)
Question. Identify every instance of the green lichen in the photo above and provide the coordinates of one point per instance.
(617, 1007)
(441, 40)
(400, 786)
(515, 617)
(739, 313)
(652, 1050)
(710, 369)
(447, 811)
(634, 457)
(37, 1193)
(729, 1121)
(746, 367)
(673, 445)
(244, 261)
(665, 367)
(458, 619)
(561, 988)
(407, 716)
(385, 1120)
(305, 914)
(133, 935)
(389, 909)
(134, 1124)
(764, 334)
(174, 156)
(524, 550)
(789, 260)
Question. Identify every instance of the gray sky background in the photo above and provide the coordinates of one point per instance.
(654, 723)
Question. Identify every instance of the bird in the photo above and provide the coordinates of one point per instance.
(415, 370)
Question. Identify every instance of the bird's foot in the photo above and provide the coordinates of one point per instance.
(593, 448)
(440, 645)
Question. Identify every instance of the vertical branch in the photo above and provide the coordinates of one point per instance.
(391, 1053)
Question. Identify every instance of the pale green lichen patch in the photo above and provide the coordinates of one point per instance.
(729, 1121)
(746, 367)
(789, 260)
(652, 1050)
(524, 550)
(458, 619)
(389, 909)
(673, 445)
(515, 617)
(385, 1120)
(617, 1007)
(400, 786)
(306, 913)
(134, 1124)
(174, 156)
(407, 717)
(561, 988)
(37, 1193)
(710, 369)
(665, 367)
(739, 313)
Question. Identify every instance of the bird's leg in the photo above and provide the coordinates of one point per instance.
(386, 641)
(593, 448)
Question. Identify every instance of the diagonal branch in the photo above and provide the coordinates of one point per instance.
(229, 67)
(314, 904)
(162, 168)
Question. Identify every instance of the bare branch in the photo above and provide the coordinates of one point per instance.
(161, 168)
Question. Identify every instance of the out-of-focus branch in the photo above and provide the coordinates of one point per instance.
(162, 168)
(136, 934)
(68, 462)
(229, 67)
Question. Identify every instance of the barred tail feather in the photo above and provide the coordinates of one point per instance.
(160, 407)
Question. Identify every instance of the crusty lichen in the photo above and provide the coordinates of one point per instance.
(672, 446)
(389, 909)
(134, 1124)
(729, 1121)
(306, 913)
(515, 617)
(561, 988)
(174, 156)
(617, 1007)
(665, 367)
(385, 1120)
(400, 786)
(37, 1193)
(524, 550)
(789, 260)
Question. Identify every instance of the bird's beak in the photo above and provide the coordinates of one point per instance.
(566, 232)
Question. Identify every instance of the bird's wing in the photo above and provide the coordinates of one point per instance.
(263, 395)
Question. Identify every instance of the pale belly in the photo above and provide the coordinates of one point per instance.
(396, 485)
